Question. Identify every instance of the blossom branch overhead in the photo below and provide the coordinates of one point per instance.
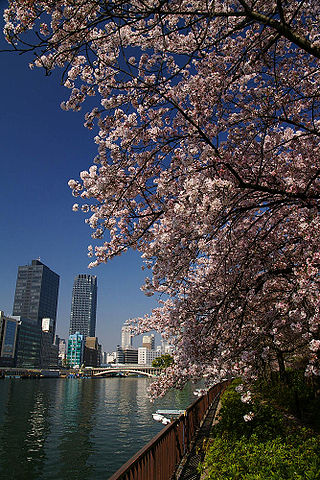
(207, 128)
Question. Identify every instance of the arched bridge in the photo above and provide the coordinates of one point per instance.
(126, 370)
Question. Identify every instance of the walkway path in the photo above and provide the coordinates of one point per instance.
(187, 469)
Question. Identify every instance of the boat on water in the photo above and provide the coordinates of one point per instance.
(162, 415)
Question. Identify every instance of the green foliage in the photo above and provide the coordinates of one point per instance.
(162, 362)
(272, 445)
(297, 396)
(296, 458)
(266, 422)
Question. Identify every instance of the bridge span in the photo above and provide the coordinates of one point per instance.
(126, 369)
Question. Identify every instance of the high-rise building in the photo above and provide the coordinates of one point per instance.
(91, 352)
(62, 352)
(75, 351)
(84, 305)
(36, 294)
(126, 337)
(148, 341)
(8, 340)
(49, 349)
(36, 299)
(29, 341)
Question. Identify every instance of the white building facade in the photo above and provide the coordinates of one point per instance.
(146, 356)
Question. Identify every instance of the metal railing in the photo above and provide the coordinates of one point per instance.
(159, 459)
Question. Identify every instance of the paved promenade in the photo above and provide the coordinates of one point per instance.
(188, 467)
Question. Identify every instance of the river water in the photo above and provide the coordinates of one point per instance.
(76, 429)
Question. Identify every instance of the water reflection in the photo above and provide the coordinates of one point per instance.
(75, 444)
(75, 429)
(24, 430)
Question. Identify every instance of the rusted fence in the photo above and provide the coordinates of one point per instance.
(158, 460)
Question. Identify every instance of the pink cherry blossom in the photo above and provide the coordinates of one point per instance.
(207, 126)
(248, 417)
(246, 398)
(314, 345)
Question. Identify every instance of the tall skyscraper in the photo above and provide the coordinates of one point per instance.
(84, 305)
(126, 337)
(36, 295)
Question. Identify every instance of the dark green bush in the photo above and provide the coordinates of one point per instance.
(297, 396)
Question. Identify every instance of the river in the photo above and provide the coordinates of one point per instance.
(76, 429)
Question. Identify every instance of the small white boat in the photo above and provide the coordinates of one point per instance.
(165, 421)
(157, 417)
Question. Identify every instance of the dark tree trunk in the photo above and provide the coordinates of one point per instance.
(282, 368)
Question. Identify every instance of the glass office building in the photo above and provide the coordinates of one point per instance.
(84, 305)
(28, 344)
(36, 294)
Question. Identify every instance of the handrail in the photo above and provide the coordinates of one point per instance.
(160, 457)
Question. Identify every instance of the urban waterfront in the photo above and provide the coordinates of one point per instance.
(76, 429)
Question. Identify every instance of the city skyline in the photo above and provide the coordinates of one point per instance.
(42, 148)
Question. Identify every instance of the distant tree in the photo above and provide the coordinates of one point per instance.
(208, 163)
(163, 362)
(65, 363)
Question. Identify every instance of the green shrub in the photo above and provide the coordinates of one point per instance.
(295, 458)
(272, 446)
(266, 422)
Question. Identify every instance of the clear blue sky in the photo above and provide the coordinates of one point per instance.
(42, 147)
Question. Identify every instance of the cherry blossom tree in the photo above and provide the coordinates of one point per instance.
(207, 120)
